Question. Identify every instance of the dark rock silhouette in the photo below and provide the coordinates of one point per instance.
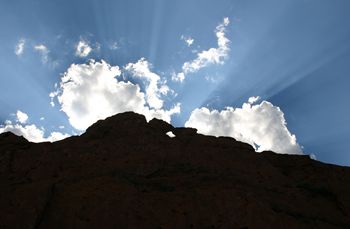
(127, 173)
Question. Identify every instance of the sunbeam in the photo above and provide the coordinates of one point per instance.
(67, 64)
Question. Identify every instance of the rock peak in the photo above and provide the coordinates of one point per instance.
(131, 174)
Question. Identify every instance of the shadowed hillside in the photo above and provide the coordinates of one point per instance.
(127, 173)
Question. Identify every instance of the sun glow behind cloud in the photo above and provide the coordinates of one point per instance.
(298, 63)
(95, 90)
(261, 125)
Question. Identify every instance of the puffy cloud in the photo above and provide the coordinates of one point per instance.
(253, 99)
(210, 56)
(44, 52)
(29, 131)
(154, 88)
(189, 40)
(19, 49)
(56, 136)
(83, 48)
(262, 125)
(21, 117)
(92, 91)
(178, 77)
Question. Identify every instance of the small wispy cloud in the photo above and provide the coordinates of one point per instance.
(178, 77)
(210, 56)
(83, 48)
(253, 99)
(19, 49)
(114, 46)
(212, 79)
(189, 40)
(52, 95)
(43, 51)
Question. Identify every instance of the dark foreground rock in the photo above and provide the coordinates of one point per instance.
(127, 173)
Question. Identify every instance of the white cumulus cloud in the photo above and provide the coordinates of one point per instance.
(92, 91)
(44, 52)
(21, 117)
(154, 88)
(29, 131)
(83, 48)
(32, 133)
(261, 125)
(19, 49)
(210, 56)
(56, 136)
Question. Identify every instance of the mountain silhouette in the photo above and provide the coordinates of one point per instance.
(125, 172)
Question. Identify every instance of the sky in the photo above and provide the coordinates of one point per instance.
(273, 73)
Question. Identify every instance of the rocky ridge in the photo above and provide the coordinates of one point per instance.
(124, 172)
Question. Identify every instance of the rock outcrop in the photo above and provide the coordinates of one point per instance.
(127, 173)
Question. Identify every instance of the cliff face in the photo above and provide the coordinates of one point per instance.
(127, 173)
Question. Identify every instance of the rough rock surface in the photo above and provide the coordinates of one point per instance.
(127, 173)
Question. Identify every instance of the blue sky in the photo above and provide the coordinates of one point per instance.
(293, 54)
